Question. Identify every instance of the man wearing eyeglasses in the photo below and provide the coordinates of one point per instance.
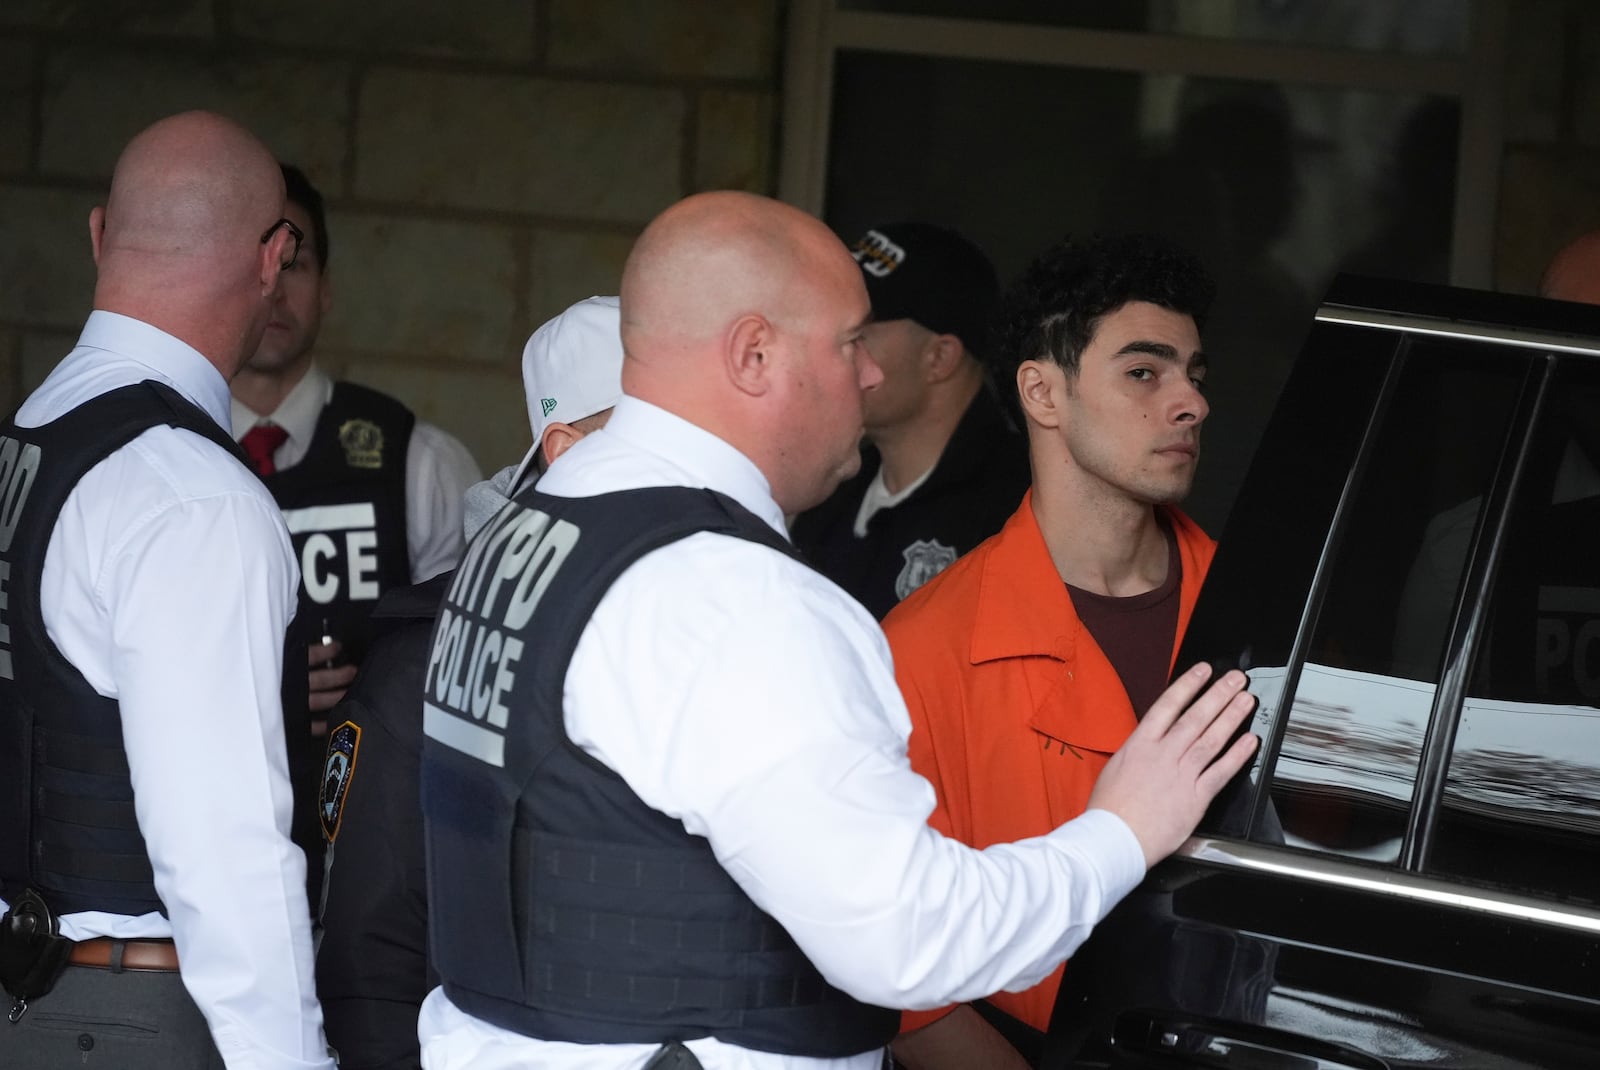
(372, 495)
(153, 911)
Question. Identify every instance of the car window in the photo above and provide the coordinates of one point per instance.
(1343, 777)
(1255, 593)
(1521, 804)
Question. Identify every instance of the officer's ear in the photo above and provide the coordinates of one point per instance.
(942, 357)
(97, 230)
(557, 439)
(749, 352)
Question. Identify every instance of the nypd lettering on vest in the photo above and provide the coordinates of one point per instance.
(561, 905)
(473, 662)
(19, 464)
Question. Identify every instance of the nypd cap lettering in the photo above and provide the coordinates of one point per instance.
(877, 254)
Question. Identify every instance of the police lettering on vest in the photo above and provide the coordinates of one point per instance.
(1566, 655)
(642, 936)
(1543, 640)
(338, 547)
(19, 464)
(473, 662)
(345, 506)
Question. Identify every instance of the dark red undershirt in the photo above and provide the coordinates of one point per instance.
(1137, 632)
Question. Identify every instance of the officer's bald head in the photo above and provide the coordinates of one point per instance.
(178, 242)
(711, 257)
(742, 315)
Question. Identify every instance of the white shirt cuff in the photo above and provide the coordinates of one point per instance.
(1104, 837)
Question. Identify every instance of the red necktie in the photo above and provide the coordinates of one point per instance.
(260, 442)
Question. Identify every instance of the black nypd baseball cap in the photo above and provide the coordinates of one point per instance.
(930, 274)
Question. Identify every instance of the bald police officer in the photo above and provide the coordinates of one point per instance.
(156, 914)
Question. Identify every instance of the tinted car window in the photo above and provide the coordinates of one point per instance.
(1267, 565)
(1521, 804)
(1344, 774)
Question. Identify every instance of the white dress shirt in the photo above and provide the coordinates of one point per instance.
(168, 583)
(748, 696)
(439, 469)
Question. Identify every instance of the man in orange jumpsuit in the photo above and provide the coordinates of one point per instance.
(1026, 664)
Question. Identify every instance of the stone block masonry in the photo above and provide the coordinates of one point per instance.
(485, 164)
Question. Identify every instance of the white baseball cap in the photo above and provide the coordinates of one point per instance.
(571, 368)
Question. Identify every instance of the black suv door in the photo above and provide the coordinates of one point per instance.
(1409, 875)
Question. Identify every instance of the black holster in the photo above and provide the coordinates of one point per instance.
(32, 950)
(673, 1056)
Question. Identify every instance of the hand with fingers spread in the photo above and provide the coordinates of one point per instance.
(1163, 778)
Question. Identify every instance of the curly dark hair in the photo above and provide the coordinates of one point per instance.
(1051, 311)
(299, 190)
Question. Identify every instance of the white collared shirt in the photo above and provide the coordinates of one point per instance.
(748, 696)
(439, 469)
(168, 583)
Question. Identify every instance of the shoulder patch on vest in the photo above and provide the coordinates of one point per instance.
(337, 769)
(925, 559)
(362, 441)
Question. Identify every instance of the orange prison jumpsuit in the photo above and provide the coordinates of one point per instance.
(1014, 708)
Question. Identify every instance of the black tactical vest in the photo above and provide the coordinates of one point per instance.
(561, 906)
(67, 824)
(345, 504)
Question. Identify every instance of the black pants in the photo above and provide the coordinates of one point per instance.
(126, 1020)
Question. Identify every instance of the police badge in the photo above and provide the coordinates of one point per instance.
(925, 559)
(343, 743)
(363, 443)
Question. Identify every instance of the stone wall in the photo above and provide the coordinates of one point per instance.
(485, 163)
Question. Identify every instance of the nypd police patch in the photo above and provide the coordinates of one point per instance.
(343, 744)
(925, 559)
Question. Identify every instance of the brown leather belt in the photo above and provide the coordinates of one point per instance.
(107, 954)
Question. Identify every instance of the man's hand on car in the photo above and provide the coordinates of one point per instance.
(1163, 778)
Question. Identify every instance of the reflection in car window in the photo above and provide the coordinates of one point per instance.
(1255, 593)
(1522, 799)
(1347, 766)
(1349, 761)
